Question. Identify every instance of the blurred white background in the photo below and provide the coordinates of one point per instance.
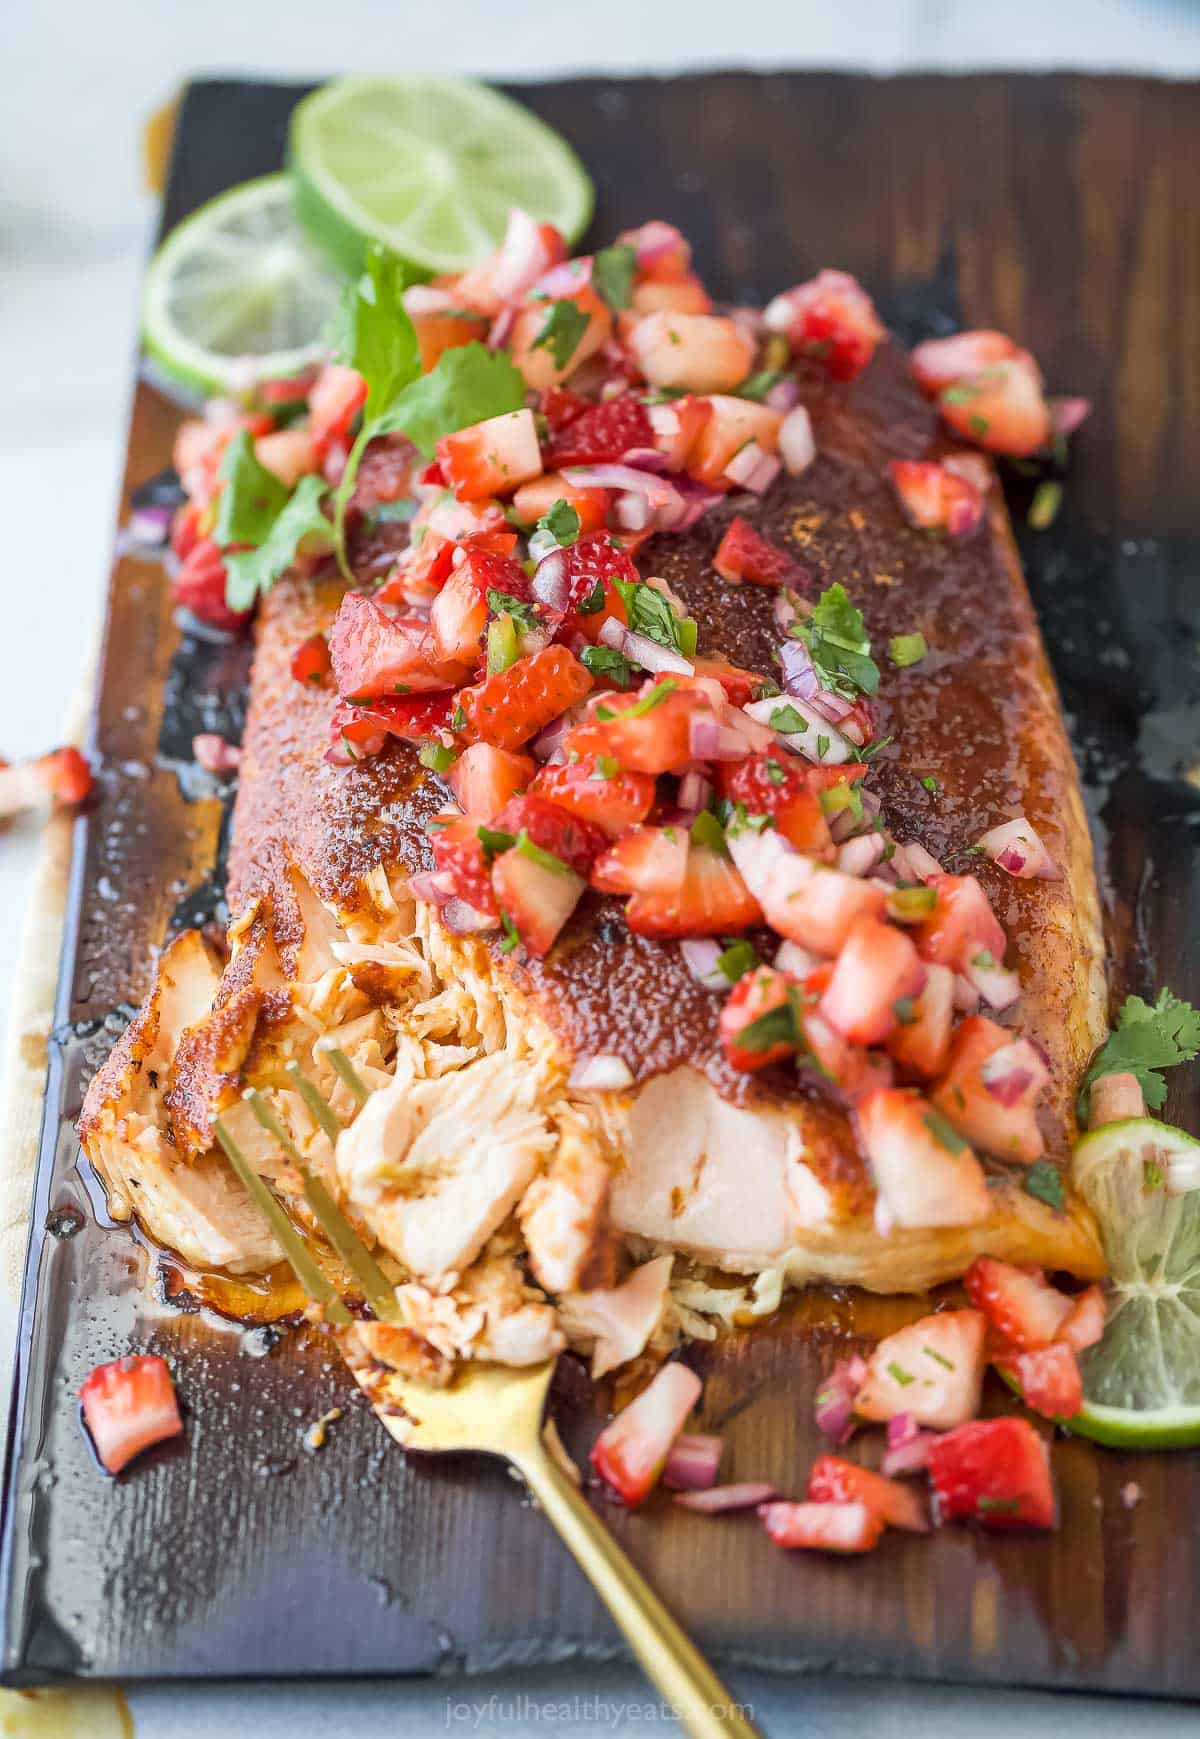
(79, 80)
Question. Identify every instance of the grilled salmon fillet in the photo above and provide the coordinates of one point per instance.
(476, 1147)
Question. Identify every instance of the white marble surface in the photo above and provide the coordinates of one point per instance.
(79, 79)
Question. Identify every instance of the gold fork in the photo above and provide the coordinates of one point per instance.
(493, 1410)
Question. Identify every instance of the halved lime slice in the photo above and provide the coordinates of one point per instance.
(428, 166)
(237, 293)
(1142, 1380)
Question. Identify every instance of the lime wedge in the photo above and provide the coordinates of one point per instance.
(237, 293)
(1142, 1380)
(428, 166)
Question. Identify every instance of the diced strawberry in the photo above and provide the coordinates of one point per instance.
(823, 1527)
(1084, 1324)
(777, 785)
(536, 894)
(756, 998)
(700, 353)
(65, 775)
(199, 586)
(995, 1472)
(831, 319)
(601, 434)
(491, 458)
(288, 454)
(127, 1406)
(596, 791)
(730, 424)
(935, 498)
(1048, 1379)
(939, 362)
(835, 1057)
(484, 778)
(932, 1370)
(924, 1171)
(645, 860)
(921, 1042)
(581, 582)
(438, 332)
(311, 663)
(1003, 409)
(820, 910)
(739, 685)
(560, 406)
(835, 1480)
(661, 251)
(997, 1114)
(713, 900)
(744, 554)
(419, 579)
(630, 1453)
(546, 349)
(374, 654)
(460, 856)
(413, 717)
(458, 618)
(574, 841)
(534, 499)
(513, 705)
(877, 968)
(1023, 1309)
(354, 735)
(963, 924)
(648, 732)
(337, 396)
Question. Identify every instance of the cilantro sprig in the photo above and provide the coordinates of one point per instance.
(1148, 1038)
(838, 643)
(650, 614)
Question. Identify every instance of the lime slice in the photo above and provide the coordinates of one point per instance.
(237, 293)
(428, 166)
(1142, 1380)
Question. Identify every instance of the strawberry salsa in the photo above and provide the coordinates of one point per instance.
(528, 427)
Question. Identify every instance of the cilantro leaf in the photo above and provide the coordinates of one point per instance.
(607, 661)
(612, 275)
(1044, 1182)
(650, 614)
(522, 612)
(563, 331)
(562, 522)
(252, 498)
(254, 571)
(1148, 1038)
(468, 385)
(837, 640)
(739, 958)
(707, 831)
(378, 338)
(759, 385)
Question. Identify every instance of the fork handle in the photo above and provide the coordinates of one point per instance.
(667, 1655)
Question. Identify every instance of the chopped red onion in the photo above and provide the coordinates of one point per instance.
(696, 501)
(551, 583)
(796, 961)
(426, 299)
(694, 791)
(642, 650)
(1017, 847)
(1015, 1073)
(463, 919)
(912, 863)
(799, 672)
(565, 278)
(659, 493)
(783, 396)
(1066, 414)
(719, 1498)
(998, 986)
(901, 1428)
(524, 255)
(710, 740)
(797, 446)
(835, 1398)
(1131, 1494)
(753, 469)
(433, 886)
(601, 1074)
(834, 707)
(909, 1456)
(836, 749)
(859, 856)
(748, 321)
(500, 330)
(632, 512)
(664, 590)
(149, 527)
(700, 956)
(973, 468)
(656, 242)
(646, 459)
(784, 609)
(693, 1462)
